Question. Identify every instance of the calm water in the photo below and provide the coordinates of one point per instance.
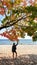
(21, 41)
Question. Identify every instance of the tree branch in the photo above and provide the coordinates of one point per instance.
(14, 22)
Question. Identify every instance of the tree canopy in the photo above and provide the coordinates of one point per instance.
(21, 16)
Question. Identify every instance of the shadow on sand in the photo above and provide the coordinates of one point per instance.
(21, 60)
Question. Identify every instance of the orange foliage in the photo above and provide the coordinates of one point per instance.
(4, 3)
(36, 19)
(13, 17)
(10, 35)
(24, 3)
(2, 11)
(32, 2)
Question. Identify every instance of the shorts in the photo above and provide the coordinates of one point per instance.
(13, 50)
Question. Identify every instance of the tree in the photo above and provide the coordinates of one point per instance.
(19, 15)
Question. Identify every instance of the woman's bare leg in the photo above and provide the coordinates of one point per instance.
(16, 54)
(13, 55)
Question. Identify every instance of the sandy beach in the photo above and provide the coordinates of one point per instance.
(6, 50)
(26, 53)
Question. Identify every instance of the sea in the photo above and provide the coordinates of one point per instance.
(20, 42)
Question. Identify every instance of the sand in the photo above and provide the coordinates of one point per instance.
(27, 55)
(6, 50)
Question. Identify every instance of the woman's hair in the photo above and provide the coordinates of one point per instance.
(13, 43)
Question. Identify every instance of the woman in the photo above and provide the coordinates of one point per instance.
(14, 49)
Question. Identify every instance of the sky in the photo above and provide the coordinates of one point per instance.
(1, 17)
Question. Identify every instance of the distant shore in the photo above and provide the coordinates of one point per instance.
(21, 41)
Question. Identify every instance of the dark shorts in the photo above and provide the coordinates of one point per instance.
(13, 50)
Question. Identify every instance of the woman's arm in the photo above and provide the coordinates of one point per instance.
(17, 42)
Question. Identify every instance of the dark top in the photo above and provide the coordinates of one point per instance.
(14, 47)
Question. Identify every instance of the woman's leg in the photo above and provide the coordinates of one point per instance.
(13, 55)
(16, 54)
